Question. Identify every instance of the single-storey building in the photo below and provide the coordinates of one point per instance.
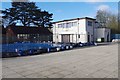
(32, 34)
(103, 34)
(79, 30)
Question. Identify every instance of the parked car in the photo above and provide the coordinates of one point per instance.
(52, 49)
(79, 44)
(89, 44)
(93, 44)
(65, 46)
(69, 45)
(116, 40)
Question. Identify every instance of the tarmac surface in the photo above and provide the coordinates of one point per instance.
(90, 62)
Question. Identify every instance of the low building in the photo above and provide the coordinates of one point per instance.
(103, 34)
(32, 34)
(78, 30)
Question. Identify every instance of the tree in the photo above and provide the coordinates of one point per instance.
(107, 19)
(102, 17)
(27, 14)
(44, 18)
(10, 16)
(113, 24)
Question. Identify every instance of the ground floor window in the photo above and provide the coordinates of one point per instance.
(79, 36)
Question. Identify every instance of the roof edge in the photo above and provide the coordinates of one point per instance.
(74, 19)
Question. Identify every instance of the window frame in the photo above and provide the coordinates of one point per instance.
(89, 23)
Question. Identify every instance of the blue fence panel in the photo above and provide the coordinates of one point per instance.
(24, 46)
(115, 36)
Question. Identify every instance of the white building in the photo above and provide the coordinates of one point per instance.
(78, 30)
(102, 34)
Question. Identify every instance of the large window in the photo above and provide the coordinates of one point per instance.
(67, 25)
(90, 23)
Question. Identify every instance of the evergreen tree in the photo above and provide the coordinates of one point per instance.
(27, 14)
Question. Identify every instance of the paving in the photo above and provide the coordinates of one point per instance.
(90, 62)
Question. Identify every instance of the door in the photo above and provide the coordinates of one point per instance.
(88, 38)
(66, 38)
(108, 37)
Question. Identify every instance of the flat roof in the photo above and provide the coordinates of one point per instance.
(74, 19)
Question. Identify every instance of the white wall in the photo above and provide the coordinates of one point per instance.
(73, 30)
(83, 38)
(81, 29)
(102, 33)
(82, 26)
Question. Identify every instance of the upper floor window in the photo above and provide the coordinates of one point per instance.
(74, 23)
(64, 25)
(67, 25)
(89, 23)
(59, 25)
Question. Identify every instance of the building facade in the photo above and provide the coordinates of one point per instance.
(32, 34)
(102, 34)
(76, 30)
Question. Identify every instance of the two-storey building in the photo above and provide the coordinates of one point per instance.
(76, 30)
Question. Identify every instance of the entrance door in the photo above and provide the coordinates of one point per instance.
(108, 37)
(88, 38)
(66, 38)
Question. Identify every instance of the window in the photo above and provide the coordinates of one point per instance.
(64, 25)
(79, 36)
(74, 23)
(59, 25)
(67, 25)
(89, 23)
(18, 36)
